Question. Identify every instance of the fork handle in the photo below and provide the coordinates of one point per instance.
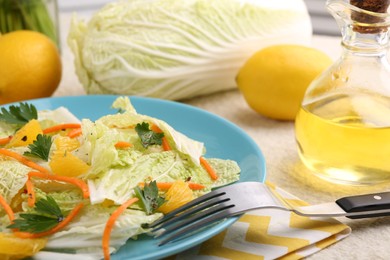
(365, 204)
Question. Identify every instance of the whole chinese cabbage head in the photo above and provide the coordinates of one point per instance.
(177, 49)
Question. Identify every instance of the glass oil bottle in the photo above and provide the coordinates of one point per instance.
(343, 126)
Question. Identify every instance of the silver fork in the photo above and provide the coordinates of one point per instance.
(236, 199)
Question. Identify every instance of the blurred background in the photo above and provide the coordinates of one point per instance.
(323, 22)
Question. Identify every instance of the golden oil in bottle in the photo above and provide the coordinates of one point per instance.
(345, 137)
(343, 126)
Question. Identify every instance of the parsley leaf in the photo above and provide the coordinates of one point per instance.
(48, 215)
(148, 137)
(40, 147)
(34, 223)
(149, 197)
(48, 206)
(19, 115)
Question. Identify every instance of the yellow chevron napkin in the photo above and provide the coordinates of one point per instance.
(270, 234)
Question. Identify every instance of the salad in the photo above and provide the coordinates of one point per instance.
(82, 188)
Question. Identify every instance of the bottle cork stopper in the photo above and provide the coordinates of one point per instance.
(377, 6)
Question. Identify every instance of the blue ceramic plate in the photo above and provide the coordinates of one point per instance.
(222, 139)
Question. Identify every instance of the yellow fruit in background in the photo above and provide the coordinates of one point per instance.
(274, 80)
(30, 66)
(177, 195)
(26, 135)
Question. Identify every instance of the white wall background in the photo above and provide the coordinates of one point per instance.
(80, 5)
(323, 22)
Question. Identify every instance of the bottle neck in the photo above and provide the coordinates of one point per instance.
(365, 43)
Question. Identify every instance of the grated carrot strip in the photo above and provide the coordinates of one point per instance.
(208, 168)
(123, 144)
(74, 133)
(23, 160)
(165, 143)
(60, 127)
(30, 193)
(166, 185)
(5, 140)
(7, 208)
(110, 225)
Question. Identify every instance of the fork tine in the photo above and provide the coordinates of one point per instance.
(195, 225)
(196, 202)
(197, 208)
(195, 217)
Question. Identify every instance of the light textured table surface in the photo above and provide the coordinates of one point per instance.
(369, 238)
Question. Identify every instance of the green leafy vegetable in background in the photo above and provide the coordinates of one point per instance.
(28, 15)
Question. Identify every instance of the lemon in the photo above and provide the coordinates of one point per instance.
(30, 66)
(274, 80)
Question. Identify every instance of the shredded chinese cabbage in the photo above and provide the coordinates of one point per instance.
(175, 49)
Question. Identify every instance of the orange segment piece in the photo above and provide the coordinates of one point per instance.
(64, 163)
(177, 195)
(26, 135)
(65, 143)
(13, 247)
